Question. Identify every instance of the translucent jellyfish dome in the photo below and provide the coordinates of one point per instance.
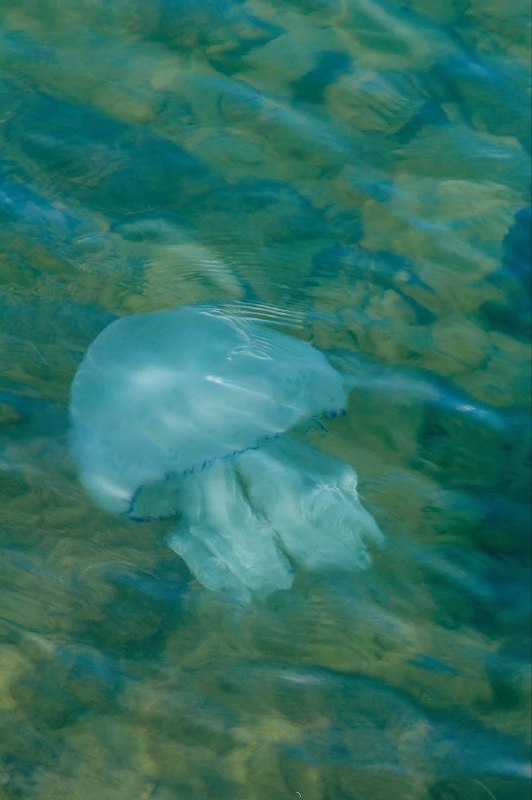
(185, 413)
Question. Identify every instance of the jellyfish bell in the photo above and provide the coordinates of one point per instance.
(170, 392)
(187, 412)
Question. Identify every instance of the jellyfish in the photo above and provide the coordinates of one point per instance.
(192, 414)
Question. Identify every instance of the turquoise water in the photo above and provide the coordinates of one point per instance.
(358, 174)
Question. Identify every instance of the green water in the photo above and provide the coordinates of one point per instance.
(357, 172)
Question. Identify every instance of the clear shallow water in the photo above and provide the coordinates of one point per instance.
(358, 173)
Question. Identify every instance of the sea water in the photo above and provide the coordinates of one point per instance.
(355, 174)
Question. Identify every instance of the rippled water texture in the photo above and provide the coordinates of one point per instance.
(357, 175)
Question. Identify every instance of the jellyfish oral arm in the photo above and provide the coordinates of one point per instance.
(252, 519)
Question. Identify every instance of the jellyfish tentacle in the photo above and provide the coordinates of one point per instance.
(311, 500)
(243, 555)
(249, 517)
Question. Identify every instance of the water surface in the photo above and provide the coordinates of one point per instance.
(358, 174)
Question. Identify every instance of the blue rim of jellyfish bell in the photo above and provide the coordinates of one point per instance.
(206, 464)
